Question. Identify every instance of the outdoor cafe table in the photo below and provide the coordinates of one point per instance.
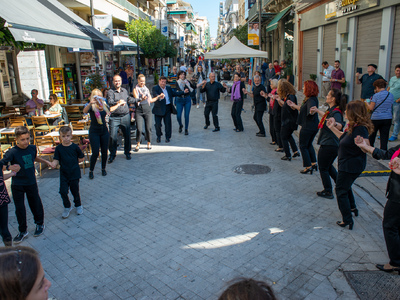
(7, 132)
(74, 132)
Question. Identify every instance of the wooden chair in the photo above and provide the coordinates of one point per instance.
(41, 125)
(73, 112)
(4, 148)
(46, 147)
(76, 125)
(77, 140)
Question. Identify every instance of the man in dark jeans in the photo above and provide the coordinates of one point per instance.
(212, 89)
(119, 98)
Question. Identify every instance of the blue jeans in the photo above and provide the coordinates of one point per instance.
(181, 104)
(396, 119)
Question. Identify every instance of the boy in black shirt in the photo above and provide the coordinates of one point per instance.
(69, 155)
(25, 155)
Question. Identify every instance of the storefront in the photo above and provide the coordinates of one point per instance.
(357, 33)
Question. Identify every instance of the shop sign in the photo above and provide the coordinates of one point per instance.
(164, 27)
(339, 8)
(181, 42)
(253, 34)
(103, 23)
(87, 58)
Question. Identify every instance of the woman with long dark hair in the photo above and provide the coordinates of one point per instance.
(237, 97)
(286, 91)
(328, 141)
(309, 125)
(183, 103)
(351, 159)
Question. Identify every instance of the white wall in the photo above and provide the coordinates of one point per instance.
(33, 73)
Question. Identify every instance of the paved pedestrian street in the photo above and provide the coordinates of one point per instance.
(176, 222)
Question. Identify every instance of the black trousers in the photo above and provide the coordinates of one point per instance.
(211, 106)
(391, 231)
(287, 138)
(277, 128)
(124, 123)
(326, 157)
(272, 128)
(306, 138)
(99, 141)
(258, 118)
(383, 126)
(5, 233)
(73, 186)
(34, 201)
(167, 123)
(236, 114)
(344, 194)
(143, 117)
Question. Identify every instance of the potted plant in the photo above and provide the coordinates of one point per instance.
(313, 77)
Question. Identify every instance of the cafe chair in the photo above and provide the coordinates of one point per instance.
(41, 125)
(73, 112)
(4, 148)
(46, 147)
(8, 110)
(84, 148)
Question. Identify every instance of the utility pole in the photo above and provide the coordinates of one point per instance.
(259, 23)
(96, 53)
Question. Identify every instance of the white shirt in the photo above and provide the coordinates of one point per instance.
(166, 95)
(327, 73)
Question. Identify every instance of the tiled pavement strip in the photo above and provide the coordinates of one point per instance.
(176, 222)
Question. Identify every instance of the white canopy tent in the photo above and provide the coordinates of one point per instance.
(235, 49)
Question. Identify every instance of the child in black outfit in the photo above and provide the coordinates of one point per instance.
(24, 156)
(69, 155)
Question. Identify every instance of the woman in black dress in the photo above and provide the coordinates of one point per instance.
(328, 141)
(286, 91)
(351, 159)
(309, 125)
(98, 132)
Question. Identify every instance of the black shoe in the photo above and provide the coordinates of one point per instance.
(128, 156)
(186, 132)
(344, 224)
(286, 158)
(382, 268)
(158, 140)
(205, 127)
(91, 175)
(39, 230)
(234, 129)
(111, 159)
(8, 243)
(260, 134)
(103, 172)
(20, 237)
(355, 211)
(325, 194)
(180, 129)
(296, 154)
(237, 130)
(307, 170)
(167, 140)
(216, 129)
(273, 143)
(315, 167)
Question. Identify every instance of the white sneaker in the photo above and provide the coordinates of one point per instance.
(79, 210)
(66, 212)
(197, 106)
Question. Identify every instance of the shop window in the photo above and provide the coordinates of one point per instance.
(11, 73)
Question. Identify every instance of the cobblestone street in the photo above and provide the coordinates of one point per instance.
(176, 222)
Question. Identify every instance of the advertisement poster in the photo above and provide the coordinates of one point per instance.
(251, 3)
(164, 28)
(181, 42)
(103, 23)
(87, 58)
(253, 34)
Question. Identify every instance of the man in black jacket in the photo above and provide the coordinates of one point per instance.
(260, 104)
(164, 107)
(212, 89)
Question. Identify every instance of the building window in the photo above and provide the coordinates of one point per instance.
(344, 41)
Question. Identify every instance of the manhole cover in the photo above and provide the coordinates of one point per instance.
(375, 285)
(252, 169)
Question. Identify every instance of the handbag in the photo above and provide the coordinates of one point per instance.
(375, 108)
(173, 109)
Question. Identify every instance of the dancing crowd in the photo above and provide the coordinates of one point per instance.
(346, 131)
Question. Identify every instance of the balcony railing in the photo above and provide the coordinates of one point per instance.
(133, 9)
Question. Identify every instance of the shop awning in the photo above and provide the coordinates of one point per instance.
(51, 23)
(122, 42)
(274, 23)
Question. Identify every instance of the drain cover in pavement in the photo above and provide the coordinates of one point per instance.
(375, 285)
(252, 169)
